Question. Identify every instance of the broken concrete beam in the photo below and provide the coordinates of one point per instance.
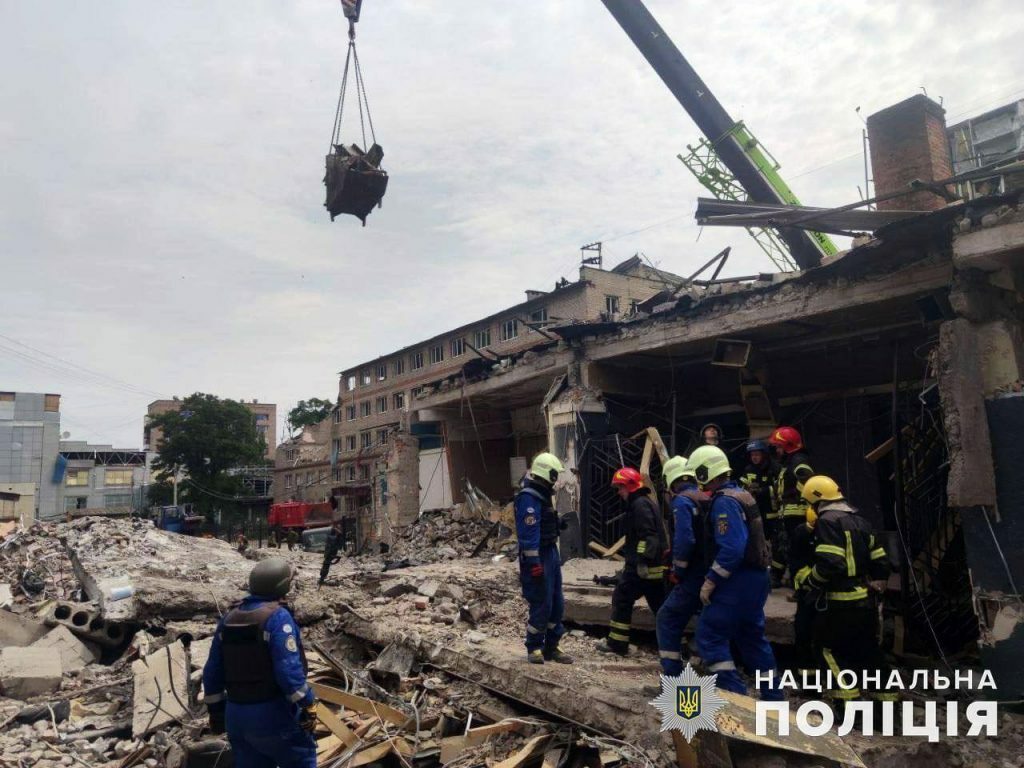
(86, 622)
(28, 672)
(160, 689)
(74, 654)
(19, 632)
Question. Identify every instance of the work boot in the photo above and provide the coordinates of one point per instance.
(556, 655)
(535, 657)
(605, 647)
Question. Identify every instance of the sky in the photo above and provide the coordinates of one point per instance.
(162, 228)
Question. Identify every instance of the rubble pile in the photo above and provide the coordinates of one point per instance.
(449, 534)
(33, 566)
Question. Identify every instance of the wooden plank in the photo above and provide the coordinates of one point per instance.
(334, 725)
(479, 735)
(452, 747)
(359, 704)
(686, 755)
(370, 754)
(532, 747)
(551, 758)
(614, 548)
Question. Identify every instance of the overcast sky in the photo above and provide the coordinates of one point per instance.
(161, 218)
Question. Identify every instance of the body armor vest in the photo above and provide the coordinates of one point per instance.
(756, 553)
(248, 665)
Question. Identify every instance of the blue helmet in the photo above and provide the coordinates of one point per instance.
(757, 445)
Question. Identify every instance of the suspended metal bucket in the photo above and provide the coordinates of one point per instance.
(354, 180)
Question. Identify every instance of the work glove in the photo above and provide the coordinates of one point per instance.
(800, 579)
(307, 718)
(537, 571)
(878, 586)
(705, 591)
(216, 712)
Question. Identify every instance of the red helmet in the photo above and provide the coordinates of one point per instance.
(628, 478)
(787, 438)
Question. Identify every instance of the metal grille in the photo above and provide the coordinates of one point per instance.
(939, 608)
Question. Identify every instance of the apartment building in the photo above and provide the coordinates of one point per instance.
(380, 449)
(264, 416)
(302, 465)
(29, 444)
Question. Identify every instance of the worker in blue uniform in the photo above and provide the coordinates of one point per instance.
(540, 565)
(736, 585)
(687, 576)
(254, 681)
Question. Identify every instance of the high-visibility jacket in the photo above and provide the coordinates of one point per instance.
(794, 472)
(646, 540)
(846, 554)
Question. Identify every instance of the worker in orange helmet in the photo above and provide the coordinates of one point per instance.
(789, 511)
(644, 572)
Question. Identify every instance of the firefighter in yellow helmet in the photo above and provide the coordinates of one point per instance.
(848, 568)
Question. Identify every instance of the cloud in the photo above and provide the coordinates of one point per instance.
(161, 210)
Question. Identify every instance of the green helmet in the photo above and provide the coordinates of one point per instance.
(546, 467)
(707, 462)
(673, 469)
(271, 577)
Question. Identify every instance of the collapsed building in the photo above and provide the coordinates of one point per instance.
(899, 360)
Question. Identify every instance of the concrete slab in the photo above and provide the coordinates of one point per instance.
(74, 654)
(19, 631)
(28, 672)
(160, 689)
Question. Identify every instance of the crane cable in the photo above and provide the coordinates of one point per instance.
(352, 61)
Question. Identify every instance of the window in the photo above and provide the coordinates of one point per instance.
(365, 439)
(416, 392)
(364, 378)
(321, 476)
(611, 304)
(350, 472)
(77, 477)
(634, 306)
(364, 472)
(509, 330)
(51, 403)
(436, 353)
(365, 408)
(416, 360)
(336, 415)
(336, 474)
(73, 502)
(117, 477)
(350, 442)
(309, 478)
(398, 400)
(482, 339)
(382, 436)
(335, 445)
(382, 371)
(261, 417)
(288, 481)
(117, 500)
(382, 404)
(539, 315)
(350, 413)
(457, 347)
(350, 382)
(399, 367)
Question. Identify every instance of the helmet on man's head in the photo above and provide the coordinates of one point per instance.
(707, 462)
(821, 488)
(271, 577)
(786, 438)
(546, 467)
(627, 478)
(757, 445)
(674, 469)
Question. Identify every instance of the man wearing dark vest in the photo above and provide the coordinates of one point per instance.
(643, 574)
(790, 509)
(736, 585)
(540, 565)
(255, 678)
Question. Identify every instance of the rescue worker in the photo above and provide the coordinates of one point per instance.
(759, 477)
(255, 678)
(334, 542)
(292, 538)
(242, 543)
(688, 566)
(643, 574)
(540, 566)
(711, 434)
(849, 568)
(736, 585)
(801, 558)
(272, 540)
(789, 511)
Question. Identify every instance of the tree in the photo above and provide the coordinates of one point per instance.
(202, 440)
(308, 412)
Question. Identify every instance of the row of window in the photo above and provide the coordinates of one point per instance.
(481, 339)
(79, 478)
(311, 478)
(367, 408)
(109, 500)
(350, 473)
(365, 440)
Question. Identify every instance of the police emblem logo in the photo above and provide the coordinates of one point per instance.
(723, 526)
(291, 645)
(529, 520)
(688, 703)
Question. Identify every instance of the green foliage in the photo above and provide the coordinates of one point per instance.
(202, 441)
(308, 412)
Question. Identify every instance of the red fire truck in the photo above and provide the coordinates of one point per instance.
(299, 515)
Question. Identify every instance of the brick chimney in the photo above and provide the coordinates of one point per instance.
(908, 142)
